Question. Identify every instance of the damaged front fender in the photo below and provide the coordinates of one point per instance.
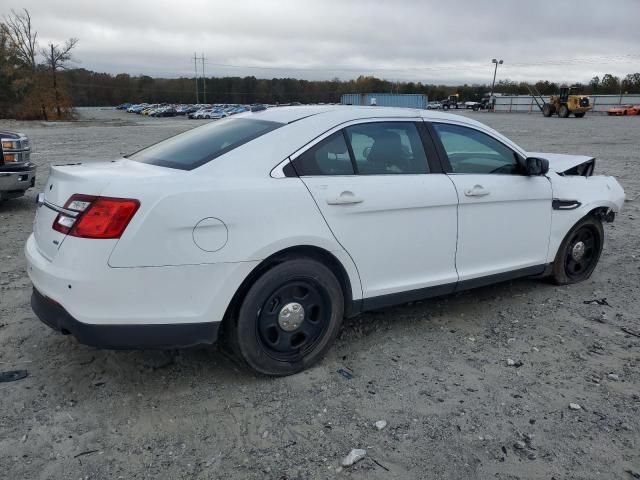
(575, 196)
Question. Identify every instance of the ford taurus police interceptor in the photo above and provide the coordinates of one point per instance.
(266, 229)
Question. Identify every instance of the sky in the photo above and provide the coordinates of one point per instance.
(445, 41)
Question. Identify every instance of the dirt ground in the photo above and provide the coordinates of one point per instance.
(436, 371)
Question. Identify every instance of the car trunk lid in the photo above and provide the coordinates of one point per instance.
(88, 179)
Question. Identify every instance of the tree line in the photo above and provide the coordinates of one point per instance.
(101, 89)
(38, 83)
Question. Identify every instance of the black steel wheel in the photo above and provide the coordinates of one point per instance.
(289, 318)
(293, 318)
(579, 252)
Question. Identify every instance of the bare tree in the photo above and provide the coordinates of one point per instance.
(22, 37)
(56, 58)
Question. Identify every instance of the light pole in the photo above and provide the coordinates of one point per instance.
(495, 71)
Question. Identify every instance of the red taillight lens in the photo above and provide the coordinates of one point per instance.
(98, 217)
(78, 203)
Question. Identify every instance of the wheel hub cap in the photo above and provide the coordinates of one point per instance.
(291, 316)
(577, 252)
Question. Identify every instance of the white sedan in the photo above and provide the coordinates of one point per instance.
(266, 229)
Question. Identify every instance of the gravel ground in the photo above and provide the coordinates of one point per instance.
(436, 371)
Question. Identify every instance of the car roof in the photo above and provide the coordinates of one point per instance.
(328, 116)
(346, 113)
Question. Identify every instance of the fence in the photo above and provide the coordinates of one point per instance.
(526, 103)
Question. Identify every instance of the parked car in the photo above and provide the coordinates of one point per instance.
(216, 114)
(434, 106)
(186, 109)
(164, 112)
(200, 114)
(17, 173)
(624, 110)
(236, 110)
(137, 108)
(267, 228)
(150, 109)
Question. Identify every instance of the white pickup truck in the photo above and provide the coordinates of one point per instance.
(17, 173)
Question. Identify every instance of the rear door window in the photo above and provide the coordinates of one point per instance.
(383, 148)
(328, 157)
(196, 147)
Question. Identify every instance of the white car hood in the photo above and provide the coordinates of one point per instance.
(559, 162)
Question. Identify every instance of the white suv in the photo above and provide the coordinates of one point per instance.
(269, 227)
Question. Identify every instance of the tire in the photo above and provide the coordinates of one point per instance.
(269, 342)
(564, 112)
(548, 110)
(567, 268)
(446, 107)
(624, 113)
(579, 115)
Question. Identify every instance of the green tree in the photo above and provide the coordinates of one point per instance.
(610, 84)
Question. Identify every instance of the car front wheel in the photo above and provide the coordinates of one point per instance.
(288, 319)
(579, 252)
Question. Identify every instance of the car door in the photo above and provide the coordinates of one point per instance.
(396, 217)
(504, 216)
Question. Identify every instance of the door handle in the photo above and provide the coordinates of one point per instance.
(345, 198)
(476, 191)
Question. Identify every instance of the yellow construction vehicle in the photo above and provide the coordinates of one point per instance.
(568, 102)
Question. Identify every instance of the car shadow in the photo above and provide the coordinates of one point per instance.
(181, 370)
(23, 204)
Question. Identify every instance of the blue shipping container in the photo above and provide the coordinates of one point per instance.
(411, 100)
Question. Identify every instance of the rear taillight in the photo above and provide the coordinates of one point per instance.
(96, 217)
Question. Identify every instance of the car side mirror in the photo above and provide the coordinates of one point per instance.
(536, 166)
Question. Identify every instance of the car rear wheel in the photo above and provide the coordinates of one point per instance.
(579, 252)
(288, 319)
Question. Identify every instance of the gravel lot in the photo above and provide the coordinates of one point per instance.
(436, 371)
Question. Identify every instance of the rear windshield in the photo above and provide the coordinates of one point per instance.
(196, 147)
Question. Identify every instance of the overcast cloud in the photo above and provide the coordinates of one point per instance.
(445, 41)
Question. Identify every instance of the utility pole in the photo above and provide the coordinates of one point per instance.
(493, 84)
(204, 82)
(195, 64)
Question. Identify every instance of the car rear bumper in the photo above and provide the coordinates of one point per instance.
(113, 336)
(161, 307)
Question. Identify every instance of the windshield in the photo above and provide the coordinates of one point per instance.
(196, 147)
